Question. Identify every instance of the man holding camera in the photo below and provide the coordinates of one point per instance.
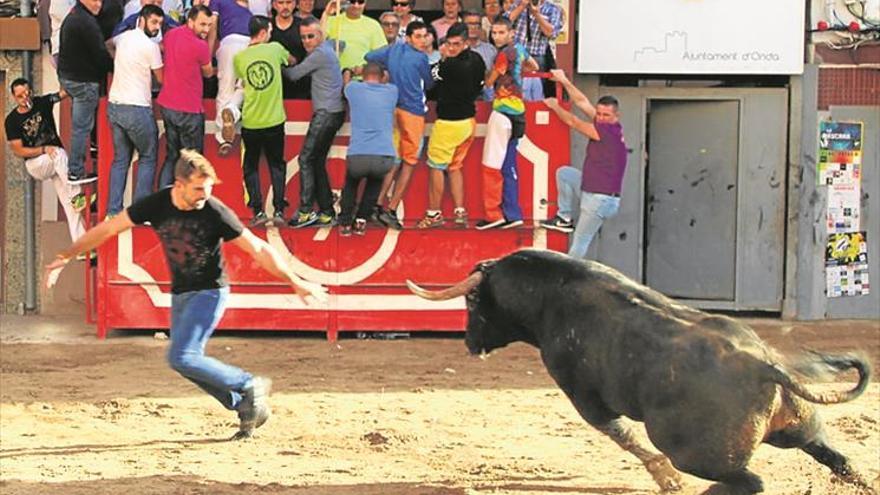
(536, 23)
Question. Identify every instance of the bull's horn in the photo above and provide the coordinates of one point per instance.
(456, 290)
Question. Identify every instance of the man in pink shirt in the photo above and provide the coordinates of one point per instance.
(187, 60)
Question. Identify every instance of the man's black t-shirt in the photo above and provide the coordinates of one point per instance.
(460, 83)
(191, 239)
(290, 39)
(36, 127)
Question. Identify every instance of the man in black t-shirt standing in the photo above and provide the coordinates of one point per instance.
(285, 30)
(459, 79)
(31, 132)
(191, 225)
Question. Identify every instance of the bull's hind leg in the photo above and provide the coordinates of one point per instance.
(808, 435)
(594, 411)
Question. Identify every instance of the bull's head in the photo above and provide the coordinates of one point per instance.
(482, 334)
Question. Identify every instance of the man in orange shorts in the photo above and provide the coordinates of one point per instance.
(408, 69)
(460, 82)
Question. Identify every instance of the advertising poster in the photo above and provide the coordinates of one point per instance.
(840, 153)
(846, 265)
(843, 208)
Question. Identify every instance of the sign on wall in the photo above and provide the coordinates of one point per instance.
(691, 36)
(846, 265)
(839, 168)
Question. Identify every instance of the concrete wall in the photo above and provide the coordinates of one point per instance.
(808, 247)
(16, 179)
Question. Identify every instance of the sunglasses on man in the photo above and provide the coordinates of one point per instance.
(400, 4)
(308, 36)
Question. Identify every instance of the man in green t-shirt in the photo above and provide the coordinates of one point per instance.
(360, 33)
(258, 67)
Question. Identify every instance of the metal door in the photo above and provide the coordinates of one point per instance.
(691, 198)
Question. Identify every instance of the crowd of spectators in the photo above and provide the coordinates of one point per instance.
(382, 71)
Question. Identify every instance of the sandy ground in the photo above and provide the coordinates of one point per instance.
(416, 416)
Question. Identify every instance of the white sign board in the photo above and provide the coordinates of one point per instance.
(691, 36)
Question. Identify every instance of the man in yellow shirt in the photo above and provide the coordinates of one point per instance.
(361, 34)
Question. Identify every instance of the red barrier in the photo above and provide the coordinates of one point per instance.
(366, 275)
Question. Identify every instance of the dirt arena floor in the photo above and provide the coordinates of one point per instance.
(365, 417)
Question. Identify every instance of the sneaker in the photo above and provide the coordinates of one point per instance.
(225, 149)
(461, 217)
(278, 218)
(489, 224)
(303, 219)
(324, 220)
(253, 411)
(74, 179)
(227, 132)
(559, 224)
(430, 221)
(374, 215)
(345, 231)
(389, 219)
(259, 219)
(360, 226)
(510, 224)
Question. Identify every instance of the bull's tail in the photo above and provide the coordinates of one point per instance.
(824, 362)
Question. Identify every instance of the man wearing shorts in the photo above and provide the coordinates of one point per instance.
(408, 68)
(459, 79)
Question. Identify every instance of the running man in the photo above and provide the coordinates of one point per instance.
(191, 226)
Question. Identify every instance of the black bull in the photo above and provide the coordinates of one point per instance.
(708, 390)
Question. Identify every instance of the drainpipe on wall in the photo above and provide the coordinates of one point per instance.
(30, 224)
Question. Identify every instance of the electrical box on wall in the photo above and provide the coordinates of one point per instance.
(19, 34)
(691, 37)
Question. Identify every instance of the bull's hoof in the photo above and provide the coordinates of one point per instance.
(665, 475)
(855, 480)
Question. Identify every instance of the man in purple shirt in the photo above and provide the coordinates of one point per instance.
(602, 177)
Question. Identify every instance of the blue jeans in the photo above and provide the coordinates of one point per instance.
(593, 209)
(510, 190)
(134, 128)
(314, 185)
(84, 96)
(194, 315)
(183, 130)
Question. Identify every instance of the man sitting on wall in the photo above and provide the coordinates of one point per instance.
(31, 132)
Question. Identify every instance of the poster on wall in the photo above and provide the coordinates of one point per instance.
(840, 153)
(563, 37)
(846, 265)
(843, 208)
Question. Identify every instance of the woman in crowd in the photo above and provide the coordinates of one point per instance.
(404, 10)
